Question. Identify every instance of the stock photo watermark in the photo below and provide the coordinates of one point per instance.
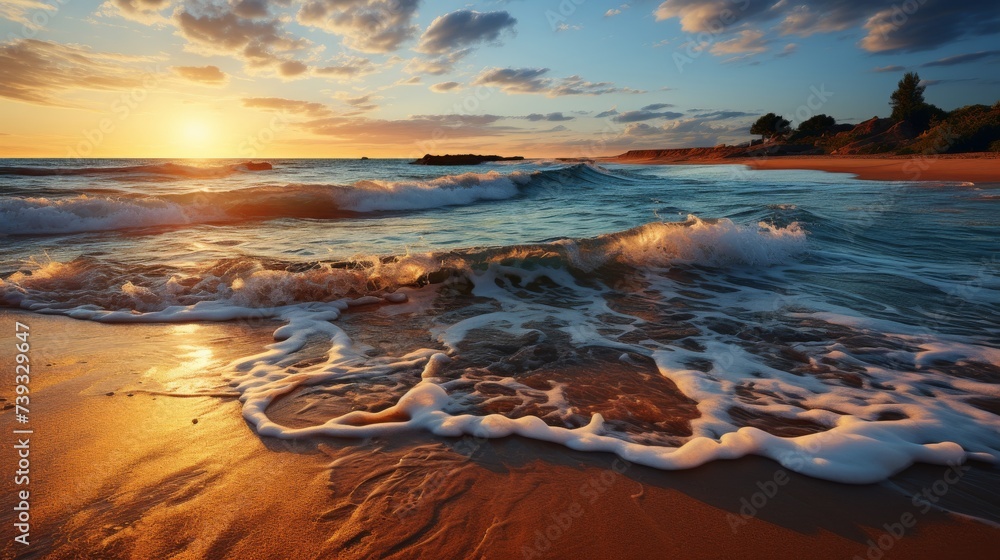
(22, 432)
(923, 502)
(559, 522)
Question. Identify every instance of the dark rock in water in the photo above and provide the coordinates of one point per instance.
(259, 166)
(363, 158)
(462, 159)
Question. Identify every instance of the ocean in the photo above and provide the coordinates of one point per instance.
(672, 315)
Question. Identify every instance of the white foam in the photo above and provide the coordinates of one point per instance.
(854, 451)
(719, 243)
(84, 213)
(857, 447)
(451, 190)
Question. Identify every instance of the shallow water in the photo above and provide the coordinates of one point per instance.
(672, 315)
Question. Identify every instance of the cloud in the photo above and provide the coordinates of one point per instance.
(706, 129)
(747, 41)
(515, 80)
(347, 68)
(709, 15)
(608, 113)
(825, 16)
(642, 129)
(35, 71)
(142, 11)
(292, 106)
(568, 27)
(208, 75)
(934, 23)
(960, 59)
(789, 50)
(551, 117)
(637, 116)
(290, 68)
(406, 131)
(696, 131)
(259, 43)
(26, 12)
(616, 11)
(656, 106)
(883, 69)
(375, 26)
(889, 25)
(445, 87)
(411, 81)
(722, 115)
(361, 103)
(435, 66)
(464, 28)
(948, 81)
(534, 80)
(251, 8)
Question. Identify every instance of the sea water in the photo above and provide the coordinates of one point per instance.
(672, 315)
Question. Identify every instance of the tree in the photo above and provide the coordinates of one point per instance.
(817, 124)
(770, 126)
(908, 99)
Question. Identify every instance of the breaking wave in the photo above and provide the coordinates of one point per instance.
(253, 282)
(90, 212)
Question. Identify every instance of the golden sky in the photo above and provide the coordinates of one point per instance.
(347, 78)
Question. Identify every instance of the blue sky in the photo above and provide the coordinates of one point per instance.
(396, 77)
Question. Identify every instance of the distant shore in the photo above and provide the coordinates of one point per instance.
(125, 470)
(979, 167)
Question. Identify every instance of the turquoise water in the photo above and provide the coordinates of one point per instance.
(780, 305)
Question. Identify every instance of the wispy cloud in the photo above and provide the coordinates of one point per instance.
(37, 71)
(149, 12)
(886, 26)
(638, 116)
(444, 87)
(291, 106)
(404, 131)
(346, 67)
(962, 59)
(535, 80)
(207, 75)
(23, 11)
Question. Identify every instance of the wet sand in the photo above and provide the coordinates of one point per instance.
(131, 475)
(975, 168)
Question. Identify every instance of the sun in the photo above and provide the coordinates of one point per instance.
(196, 137)
(197, 132)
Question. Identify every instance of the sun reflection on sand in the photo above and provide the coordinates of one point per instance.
(195, 359)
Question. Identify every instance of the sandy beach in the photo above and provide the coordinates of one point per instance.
(975, 168)
(359, 279)
(122, 469)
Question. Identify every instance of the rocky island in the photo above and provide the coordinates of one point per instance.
(462, 159)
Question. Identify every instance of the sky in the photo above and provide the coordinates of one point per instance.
(399, 78)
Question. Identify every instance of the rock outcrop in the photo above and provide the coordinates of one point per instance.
(461, 159)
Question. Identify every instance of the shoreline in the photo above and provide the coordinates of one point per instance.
(973, 168)
(124, 471)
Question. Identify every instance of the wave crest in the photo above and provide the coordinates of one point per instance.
(89, 212)
(254, 282)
